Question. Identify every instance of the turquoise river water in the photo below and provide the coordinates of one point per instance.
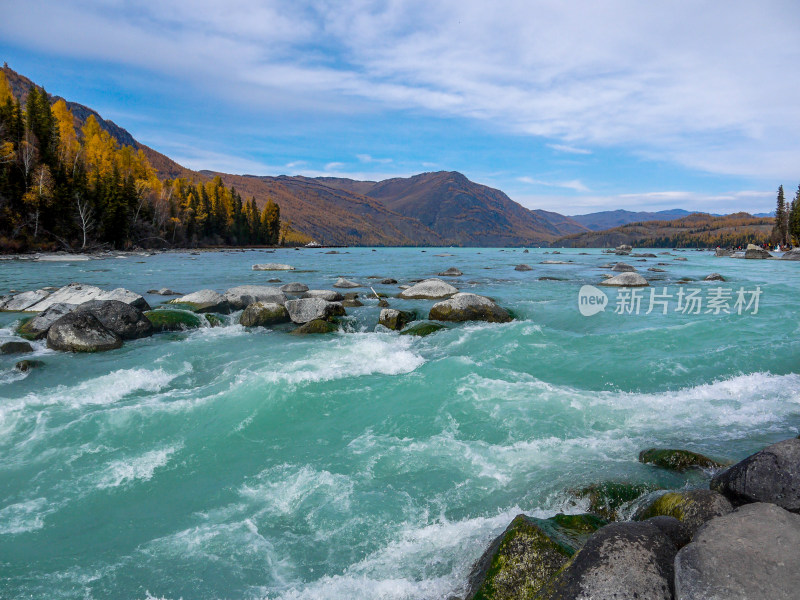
(227, 463)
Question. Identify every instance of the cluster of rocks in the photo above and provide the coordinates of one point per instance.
(738, 539)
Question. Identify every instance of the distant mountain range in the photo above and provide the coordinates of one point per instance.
(441, 208)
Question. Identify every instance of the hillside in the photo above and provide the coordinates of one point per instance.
(697, 230)
(607, 219)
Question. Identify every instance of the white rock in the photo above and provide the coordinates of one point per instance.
(242, 296)
(273, 267)
(626, 280)
(24, 300)
(77, 293)
(433, 289)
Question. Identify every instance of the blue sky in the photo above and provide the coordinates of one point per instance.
(567, 106)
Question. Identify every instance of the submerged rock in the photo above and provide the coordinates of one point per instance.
(606, 498)
(451, 272)
(754, 251)
(423, 329)
(81, 332)
(714, 277)
(523, 267)
(691, 507)
(36, 328)
(164, 292)
(351, 300)
(345, 283)
(294, 288)
(316, 326)
(626, 280)
(395, 319)
(242, 296)
(172, 320)
(15, 347)
(430, 289)
(621, 560)
(657, 270)
(388, 281)
(273, 267)
(329, 295)
(623, 268)
(24, 366)
(469, 307)
(677, 460)
(527, 554)
(305, 310)
(262, 314)
(126, 321)
(771, 475)
(204, 301)
(748, 554)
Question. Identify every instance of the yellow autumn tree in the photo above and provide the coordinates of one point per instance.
(5, 89)
(68, 145)
(99, 147)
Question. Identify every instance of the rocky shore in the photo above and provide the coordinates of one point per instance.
(737, 539)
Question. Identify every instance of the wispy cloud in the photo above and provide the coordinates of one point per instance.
(333, 166)
(366, 158)
(568, 149)
(574, 184)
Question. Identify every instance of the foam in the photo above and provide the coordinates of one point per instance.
(23, 516)
(139, 468)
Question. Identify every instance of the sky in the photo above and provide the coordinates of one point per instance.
(573, 106)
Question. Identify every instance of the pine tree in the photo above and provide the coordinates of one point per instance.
(794, 218)
(779, 231)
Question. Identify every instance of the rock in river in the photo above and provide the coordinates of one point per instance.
(261, 314)
(626, 280)
(204, 301)
(273, 267)
(81, 332)
(395, 319)
(431, 289)
(469, 307)
(242, 296)
(304, 310)
(124, 320)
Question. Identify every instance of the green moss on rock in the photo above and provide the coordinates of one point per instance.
(24, 330)
(172, 320)
(423, 329)
(606, 498)
(528, 554)
(213, 320)
(316, 326)
(677, 460)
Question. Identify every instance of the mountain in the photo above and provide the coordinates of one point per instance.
(607, 219)
(694, 230)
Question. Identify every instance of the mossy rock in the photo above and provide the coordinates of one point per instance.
(24, 330)
(692, 507)
(527, 554)
(213, 320)
(423, 329)
(606, 498)
(172, 320)
(316, 326)
(677, 460)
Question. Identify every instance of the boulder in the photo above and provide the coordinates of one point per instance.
(294, 288)
(23, 301)
(388, 281)
(15, 347)
(242, 296)
(204, 301)
(423, 329)
(81, 332)
(430, 289)
(657, 270)
(316, 326)
(124, 320)
(304, 310)
(395, 319)
(273, 267)
(749, 554)
(626, 280)
(523, 267)
(623, 249)
(607, 498)
(621, 560)
(345, 283)
(329, 295)
(623, 268)
(24, 366)
(172, 320)
(723, 252)
(771, 475)
(754, 251)
(351, 300)
(527, 554)
(468, 307)
(681, 259)
(77, 293)
(261, 314)
(645, 255)
(451, 272)
(677, 460)
(36, 328)
(714, 277)
(691, 507)
(164, 292)
(677, 531)
(793, 254)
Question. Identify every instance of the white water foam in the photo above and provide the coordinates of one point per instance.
(23, 516)
(139, 468)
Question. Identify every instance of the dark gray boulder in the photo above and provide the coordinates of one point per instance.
(36, 328)
(678, 532)
(15, 347)
(468, 307)
(345, 283)
(123, 319)
(451, 272)
(714, 277)
(771, 475)
(754, 251)
(620, 561)
(623, 268)
(523, 267)
(793, 254)
(81, 332)
(395, 319)
(262, 314)
(750, 554)
(388, 281)
(24, 366)
(294, 288)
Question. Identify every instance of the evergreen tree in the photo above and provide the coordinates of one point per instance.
(779, 232)
(794, 219)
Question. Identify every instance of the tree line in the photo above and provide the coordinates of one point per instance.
(77, 189)
(787, 220)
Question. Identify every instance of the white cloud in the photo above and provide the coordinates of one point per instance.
(568, 149)
(333, 166)
(366, 158)
(574, 184)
